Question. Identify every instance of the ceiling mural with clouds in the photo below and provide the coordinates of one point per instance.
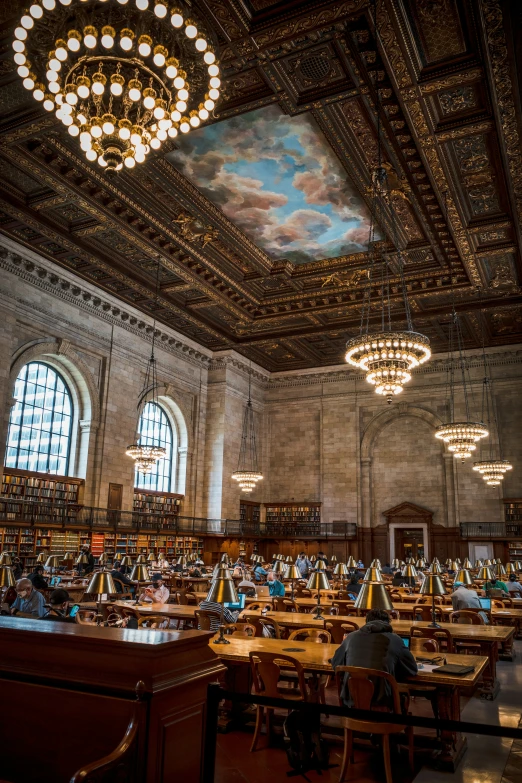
(279, 181)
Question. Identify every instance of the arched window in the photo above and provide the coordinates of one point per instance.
(40, 424)
(155, 430)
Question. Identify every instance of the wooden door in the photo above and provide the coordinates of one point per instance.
(115, 497)
(409, 542)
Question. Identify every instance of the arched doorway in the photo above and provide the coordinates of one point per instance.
(409, 530)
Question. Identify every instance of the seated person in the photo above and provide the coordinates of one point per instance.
(398, 579)
(275, 586)
(18, 569)
(177, 568)
(360, 563)
(37, 578)
(375, 646)
(57, 611)
(158, 593)
(514, 587)
(194, 572)
(88, 567)
(353, 585)
(321, 556)
(229, 616)
(496, 585)
(462, 598)
(28, 600)
(387, 569)
(118, 572)
(162, 562)
(259, 572)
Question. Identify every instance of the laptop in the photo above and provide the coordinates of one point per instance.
(485, 603)
(239, 604)
(406, 641)
(262, 591)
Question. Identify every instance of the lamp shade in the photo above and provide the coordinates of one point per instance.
(225, 558)
(281, 558)
(373, 595)
(318, 581)
(510, 568)
(432, 585)
(518, 565)
(140, 560)
(498, 560)
(375, 564)
(102, 558)
(68, 556)
(420, 563)
(409, 571)
(5, 559)
(373, 574)
(435, 569)
(140, 573)
(101, 582)
(333, 559)
(464, 576)
(41, 557)
(292, 572)
(278, 567)
(223, 590)
(486, 574)
(341, 570)
(501, 571)
(435, 560)
(151, 557)
(7, 576)
(53, 561)
(182, 561)
(447, 561)
(126, 561)
(80, 560)
(221, 571)
(458, 561)
(478, 563)
(313, 559)
(453, 566)
(289, 559)
(466, 563)
(488, 563)
(395, 562)
(351, 562)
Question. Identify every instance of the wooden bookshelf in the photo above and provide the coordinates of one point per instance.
(513, 510)
(28, 543)
(293, 513)
(28, 486)
(151, 502)
(249, 511)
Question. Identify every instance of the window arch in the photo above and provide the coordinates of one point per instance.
(154, 429)
(40, 424)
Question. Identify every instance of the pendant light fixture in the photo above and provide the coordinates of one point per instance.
(147, 454)
(388, 355)
(461, 436)
(248, 474)
(493, 468)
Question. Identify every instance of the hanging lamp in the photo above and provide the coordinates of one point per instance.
(146, 455)
(248, 474)
(491, 469)
(386, 356)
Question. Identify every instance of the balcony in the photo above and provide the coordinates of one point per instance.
(490, 530)
(43, 514)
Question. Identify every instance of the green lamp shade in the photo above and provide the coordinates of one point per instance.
(101, 582)
(373, 595)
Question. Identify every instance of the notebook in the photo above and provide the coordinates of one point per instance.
(239, 604)
(454, 669)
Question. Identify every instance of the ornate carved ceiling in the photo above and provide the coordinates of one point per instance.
(252, 277)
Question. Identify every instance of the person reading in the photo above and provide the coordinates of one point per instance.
(158, 593)
(28, 600)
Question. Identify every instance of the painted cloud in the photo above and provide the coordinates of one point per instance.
(278, 180)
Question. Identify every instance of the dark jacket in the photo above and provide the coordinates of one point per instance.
(88, 568)
(56, 616)
(39, 583)
(122, 577)
(17, 570)
(354, 588)
(397, 581)
(375, 646)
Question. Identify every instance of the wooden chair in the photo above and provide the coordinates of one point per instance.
(303, 592)
(255, 621)
(346, 608)
(278, 604)
(339, 628)
(319, 635)
(191, 599)
(266, 676)
(255, 607)
(272, 626)
(420, 645)
(442, 635)
(243, 630)
(361, 685)
(157, 621)
(507, 602)
(206, 617)
(181, 598)
(424, 612)
(290, 605)
(394, 614)
(85, 617)
(465, 616)
(123, 589)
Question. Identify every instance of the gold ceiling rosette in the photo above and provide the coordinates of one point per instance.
(121, 75)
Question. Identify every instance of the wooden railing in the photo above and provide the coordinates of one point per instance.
(490, 530)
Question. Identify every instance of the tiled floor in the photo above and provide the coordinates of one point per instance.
(488, 759)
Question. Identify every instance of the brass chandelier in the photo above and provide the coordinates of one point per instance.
(147, 455)
(248, 474)
(388, 355)
(121, 75)
(460, 436)
(491, 469)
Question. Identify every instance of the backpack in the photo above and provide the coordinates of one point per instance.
(305, 748)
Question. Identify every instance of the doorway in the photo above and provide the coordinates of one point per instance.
(409, 542)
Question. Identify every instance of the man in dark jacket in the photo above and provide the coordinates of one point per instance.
(39, 583)
(375, 646)
(57, 611)
(88, 567)
(117, 573)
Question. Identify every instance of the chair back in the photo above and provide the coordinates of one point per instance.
(290, 605)
(465, 617)
(304, 592)
(244, 630)
(278, 604)
(442, 635)
(85, 617)
(418, 645)
(362, 684)
(266, 673)
(181, 598)
(255, 622)
(311, 635)
(424, 612)
(508, 602)
(205, 617)
(339, 628)
(255, 607)
(191, 599)
(122, 589)
(345, 608)
(274, 629)
(153, 621)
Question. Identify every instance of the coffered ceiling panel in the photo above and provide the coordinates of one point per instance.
(260, 218)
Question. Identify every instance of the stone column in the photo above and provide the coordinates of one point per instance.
(452, 502)
(85, 467)
(366, 500)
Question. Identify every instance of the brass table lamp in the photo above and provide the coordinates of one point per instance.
(101, 583)
(351, 562)
(376, 564)
(225, 558)
(341, 569)
(42, 557)
(333, 559)
(501, 571)
(510, 568)
(140, 560)
(222, 591)
(409, 572)
(278, 567)
(103, 558)
(467, 564)
(151, 557)
(435, 568)
(464, 576)
(373, 574)
(7, 576)
(126, 561)
(318, 581)
(289, 559)
(313, 559)
(478, 564)
(5, 559)
(486, 574)
(81, 561)
(292, 572)
(373, 595)
(433, 586)
(52, 562)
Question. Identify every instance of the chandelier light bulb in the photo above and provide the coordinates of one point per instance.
(160, 9)
(89, 37)
(20, 58)
(183, 95)
(172, 132)
(213, 94)
(129, 162)
(165, 123)
(48, 103)
(54, 87)
(179, 82)
(67, 119)
(52, 75)
(184, 125)
(74, 41)
(209, 104)
(159, 112)
(142, 5)
(74, 130)
(108, 128)
(181, 106)
(195, 121)
(66, 2)
(209, 57)
(20, 33)
(155, 143)
(83, 91)
(27, 21)
(215, 82)
(161, 134)
(107, 41)
(36, 11)
(190, 30)
(145, 45)
(135, 137)
(171, 71)
(85, 137)
(55, 65)
(28, 83)
(18, 46)
(175, 115)
(71, 98)
(203, 113)
(126, 39)
(201, 44)
(23, 71)
(39, 93)
(139, 157)
(102, 161)
(213, 70)
(91, 155)
(96, 132)
(149, 98)
(49, 5)
(176, 19)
